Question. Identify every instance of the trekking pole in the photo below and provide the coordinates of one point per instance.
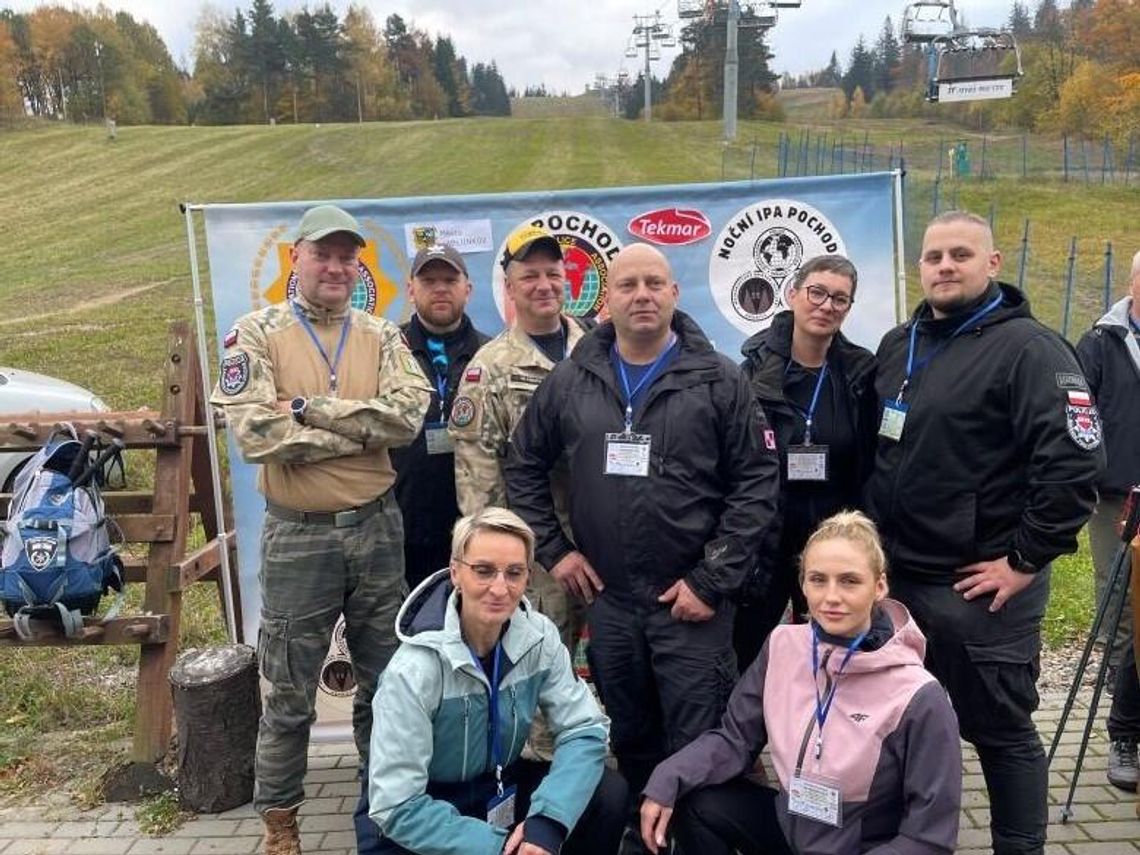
(82, 457)
(117, 446)
(1115, 594)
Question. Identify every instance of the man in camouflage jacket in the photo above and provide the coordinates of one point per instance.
(317, 392)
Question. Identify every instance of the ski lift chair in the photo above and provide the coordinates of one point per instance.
(926, 21)
(988, 59)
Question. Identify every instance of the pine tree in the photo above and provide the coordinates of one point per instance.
(888, 57)
(1020, 22)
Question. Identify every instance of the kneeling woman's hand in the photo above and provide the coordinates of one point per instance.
(515, 844)
(654, 823)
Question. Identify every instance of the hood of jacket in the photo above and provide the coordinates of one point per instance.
(1116, 322)
(429, 618)
(906, 648)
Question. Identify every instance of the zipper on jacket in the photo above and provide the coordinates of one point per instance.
(514, 725)
(812, 722)
(466, 716)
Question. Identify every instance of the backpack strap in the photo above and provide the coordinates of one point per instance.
(113, 578)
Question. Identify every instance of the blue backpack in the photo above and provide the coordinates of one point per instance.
(57, 560)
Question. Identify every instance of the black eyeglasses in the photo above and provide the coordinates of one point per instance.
(818, 295)
(513, 574)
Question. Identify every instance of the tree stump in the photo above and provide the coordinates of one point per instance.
(217, 704)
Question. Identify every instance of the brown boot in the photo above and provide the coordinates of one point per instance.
(282, 837)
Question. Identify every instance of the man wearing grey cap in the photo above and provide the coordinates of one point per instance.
(316, 392)
(443, 340)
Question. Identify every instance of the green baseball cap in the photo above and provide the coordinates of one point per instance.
(324, 220)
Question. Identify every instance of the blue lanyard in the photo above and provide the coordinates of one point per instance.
(809, 413)
(649, 374)
(912, 367)
(320, 348)
(439, 362)
(823, 705)
(494, 750)
(1135, 325)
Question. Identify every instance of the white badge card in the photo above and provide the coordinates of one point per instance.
(807, 462)
(501, 809)
(627, 454)
(894, 417)
(438, 439)
(816, 798)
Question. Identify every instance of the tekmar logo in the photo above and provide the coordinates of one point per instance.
(588, 247)
(671, 226)
(374, 291)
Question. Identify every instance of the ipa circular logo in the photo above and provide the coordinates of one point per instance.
(588, 246)
(757, 253)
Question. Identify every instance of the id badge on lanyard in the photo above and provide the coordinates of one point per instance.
(894, 419)
(807, 462)
(816, 798)
(627, 453)
(501, 808)
(438, 439)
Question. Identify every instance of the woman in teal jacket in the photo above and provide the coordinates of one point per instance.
(444, 779)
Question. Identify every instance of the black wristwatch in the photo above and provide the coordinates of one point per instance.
(1019, 562)
(297, 407)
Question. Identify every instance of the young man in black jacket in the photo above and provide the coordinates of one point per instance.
(988, 456)
(673, 480)
(1110, 355)
(443, 340)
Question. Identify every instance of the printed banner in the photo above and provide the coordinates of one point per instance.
(733, 247)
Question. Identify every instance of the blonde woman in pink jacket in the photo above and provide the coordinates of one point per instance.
(863, 739)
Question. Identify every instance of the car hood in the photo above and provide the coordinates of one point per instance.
(26, 391)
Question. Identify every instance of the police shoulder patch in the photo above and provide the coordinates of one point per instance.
(462, 411)
(235, 373)
(1083, 422)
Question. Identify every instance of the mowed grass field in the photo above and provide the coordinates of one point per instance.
(96, 267)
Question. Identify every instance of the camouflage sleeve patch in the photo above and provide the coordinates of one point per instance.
(234, 373)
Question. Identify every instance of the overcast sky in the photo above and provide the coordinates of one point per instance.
(564, 43)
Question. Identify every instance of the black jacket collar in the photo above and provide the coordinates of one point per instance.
(771, 348)
(463, 337)
(1014, 304)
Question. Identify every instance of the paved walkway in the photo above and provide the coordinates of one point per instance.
(1104, 820)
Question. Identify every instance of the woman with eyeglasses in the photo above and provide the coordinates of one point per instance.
(818, 391)
(445, 776)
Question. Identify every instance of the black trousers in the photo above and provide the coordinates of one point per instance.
(755, 619)
(598, 831)
(423, 559)
(989, 664)
(737, 816)
(663, 682)
(1124, 717)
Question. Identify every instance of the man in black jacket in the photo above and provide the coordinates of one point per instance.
(673, 483)
(443, 340)
(986, 467)
(1110, 355)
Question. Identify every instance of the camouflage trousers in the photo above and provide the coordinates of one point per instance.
(310, 575)
(569, 615)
